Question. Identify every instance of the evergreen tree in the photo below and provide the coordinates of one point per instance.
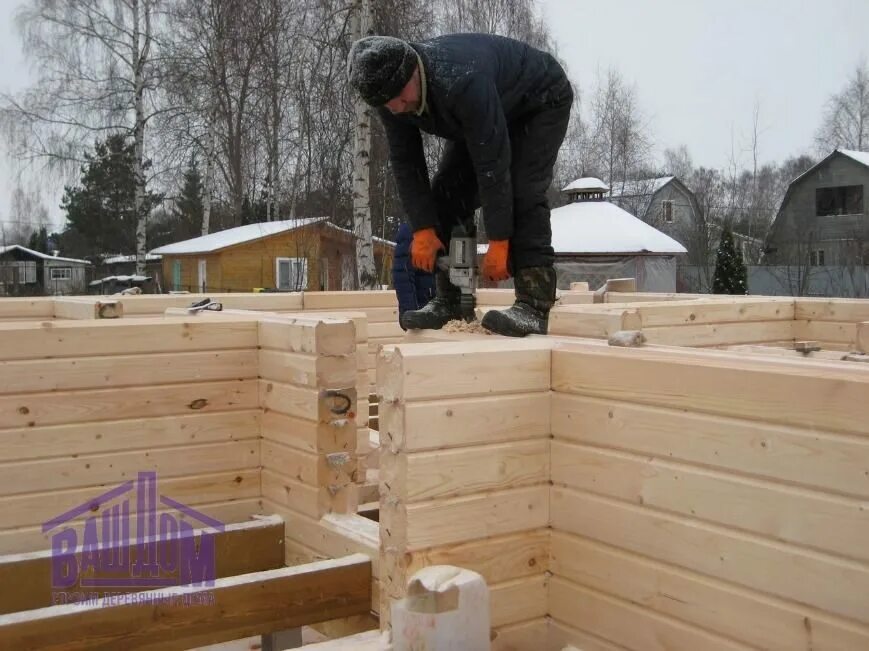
(731, 275)
(39, 241)
(189, 209)
(101, 212)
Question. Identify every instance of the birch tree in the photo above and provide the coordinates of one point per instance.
(94, 61)
(366, 272)
(846, 120)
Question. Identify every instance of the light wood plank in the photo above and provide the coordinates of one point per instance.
(26, 308)
(720, 334)
(52, 339)
(562, 637)
(827, 331)
(849, 310)
(455, 520)
(863, 337)
(349, 300)
(496, 559)
(303, 334)
(518, 601)
(117, 435)
(307, 370)
(33, 509)
(62, 473)
(807, 577)
(781, 391)
(125, 370)
(462, 422)
(627, 624)
(333, 535)
(284, 491)
(521, 636)
(60, 408)
(463, 369)
(255, 603)
(836, 525)
(743, 615)
(576, 322)
(797, 456)
(304, 435)
(449, 473)
(151, 304)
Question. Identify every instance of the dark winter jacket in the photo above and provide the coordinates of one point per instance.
(414, 288)
(477, 85)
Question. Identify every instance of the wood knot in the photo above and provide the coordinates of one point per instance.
(23, 410)
(199, 403)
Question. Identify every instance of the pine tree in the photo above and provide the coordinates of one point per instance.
(189, 209)
(731, 274)
(39, 241)
(102, 210)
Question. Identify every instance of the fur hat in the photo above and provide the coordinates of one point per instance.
(379, 67)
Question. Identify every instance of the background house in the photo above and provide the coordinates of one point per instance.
(25, 272)
(664, 202)
(595, 239)
(822, 220)
(292, 255)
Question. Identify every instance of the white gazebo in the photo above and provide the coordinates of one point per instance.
(594, 240)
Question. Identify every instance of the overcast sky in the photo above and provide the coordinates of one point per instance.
(698, 67)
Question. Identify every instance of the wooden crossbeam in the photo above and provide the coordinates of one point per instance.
(187, 616)
(240, 548)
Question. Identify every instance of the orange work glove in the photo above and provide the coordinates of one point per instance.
(424, 249)
(495, 262)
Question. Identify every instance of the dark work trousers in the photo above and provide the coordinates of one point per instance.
(534, 143)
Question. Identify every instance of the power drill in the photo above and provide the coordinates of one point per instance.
(461, 264)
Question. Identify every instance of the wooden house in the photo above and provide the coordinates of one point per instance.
(25, 272)
(292, 255)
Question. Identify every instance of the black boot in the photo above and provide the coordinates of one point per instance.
(535, 294)
(444, 307)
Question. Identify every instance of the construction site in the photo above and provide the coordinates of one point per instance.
(661, 471)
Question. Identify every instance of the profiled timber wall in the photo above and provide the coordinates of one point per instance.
(464, 469)
(308, 394)
(708, 501)
(86, 405)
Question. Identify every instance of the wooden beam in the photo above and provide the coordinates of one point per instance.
(300, 334)
(848, 310)
(118, 371)
(720, 334)
(26, 308)
(239, 549)
(184, 617)
(752, 618)
(863, 337)
(132, 434)
(791, 455)
(802, 393)
(87, 308)
(348, 300)
(52, 339)
(464, 369)
(65, 407)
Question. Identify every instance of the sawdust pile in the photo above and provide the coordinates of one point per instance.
(474, 327)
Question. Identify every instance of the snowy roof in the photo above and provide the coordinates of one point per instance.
(603, 227)
(861, 157)
(115, 259)
(37, 254)
(639, 187)
(373, 238)
(243, 234)
(587, 183)
(121, 279)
